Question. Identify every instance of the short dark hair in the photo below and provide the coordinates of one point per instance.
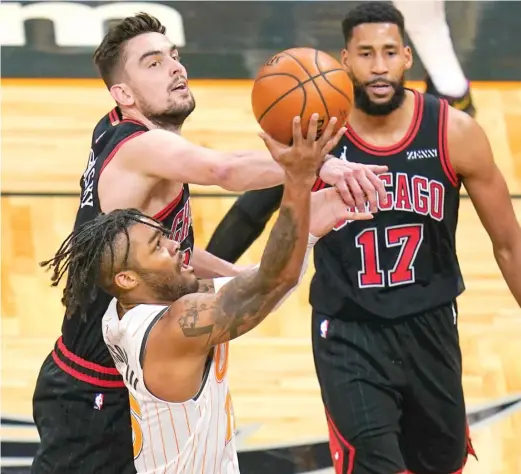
(89, 257)
(110, 52)
(372, 12)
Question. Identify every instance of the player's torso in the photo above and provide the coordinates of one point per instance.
(84, 338)
(195, 436)
(404, 260)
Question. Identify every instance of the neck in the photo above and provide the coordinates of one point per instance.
(125, 304)
(361, 121)
(136, 115)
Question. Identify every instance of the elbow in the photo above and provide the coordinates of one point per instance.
(503, 254)
(508, 250)
(224, 176)
(288, 283)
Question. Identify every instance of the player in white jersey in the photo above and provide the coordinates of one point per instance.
(168, 333)
(195, 435)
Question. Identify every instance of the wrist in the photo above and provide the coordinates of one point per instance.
(326, 158)
(301, 183)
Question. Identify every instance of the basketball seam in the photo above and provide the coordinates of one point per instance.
(323, 74)
(311, 77)
(300, 84)
(296, 78)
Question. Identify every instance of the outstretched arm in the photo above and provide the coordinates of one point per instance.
(161, 155)
(199, 321)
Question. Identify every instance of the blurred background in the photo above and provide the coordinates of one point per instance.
(51, 99)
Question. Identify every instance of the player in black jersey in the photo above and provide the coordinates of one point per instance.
(138, 159)
(385, 336)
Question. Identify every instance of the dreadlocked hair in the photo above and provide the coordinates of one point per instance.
(84, 252)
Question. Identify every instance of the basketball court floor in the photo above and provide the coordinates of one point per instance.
(45, 142)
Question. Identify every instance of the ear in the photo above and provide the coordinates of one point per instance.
(345, 60)
(122, 94)
(408, 58)
(126, 280)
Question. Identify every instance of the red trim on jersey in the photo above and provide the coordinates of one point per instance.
(113, 117)
(85, 363)
(66, 360)
(87, 378)
(163, 212)
(319, 184)
(116, 118)
(403, 143)
(443, 143)
(117, 147)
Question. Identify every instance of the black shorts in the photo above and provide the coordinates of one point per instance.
(393, 394)
(80, 431)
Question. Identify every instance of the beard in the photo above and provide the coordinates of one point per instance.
(170, 287)
(174, 116)
(364, 103)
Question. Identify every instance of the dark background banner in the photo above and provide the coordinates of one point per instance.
(221, 39)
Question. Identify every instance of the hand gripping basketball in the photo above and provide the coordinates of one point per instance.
(305, 156)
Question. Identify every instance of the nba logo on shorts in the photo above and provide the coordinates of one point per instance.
(323, 328)
(98, 401)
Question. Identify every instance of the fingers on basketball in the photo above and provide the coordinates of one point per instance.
(300, 82)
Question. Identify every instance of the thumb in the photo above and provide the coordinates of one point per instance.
(269, 142)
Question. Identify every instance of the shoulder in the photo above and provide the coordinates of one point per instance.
(111, 132)
(467, 142)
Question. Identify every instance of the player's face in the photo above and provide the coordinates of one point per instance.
(156, 265)
(157, 81)
(376, 60)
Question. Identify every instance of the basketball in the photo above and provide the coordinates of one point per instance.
(300, 81)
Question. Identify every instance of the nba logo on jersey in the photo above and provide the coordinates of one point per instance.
(98, 401)
(323, 328)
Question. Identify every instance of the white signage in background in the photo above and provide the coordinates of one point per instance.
(81, 24)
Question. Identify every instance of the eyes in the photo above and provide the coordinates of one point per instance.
(160, 242)
(159, 61)
(368, 54)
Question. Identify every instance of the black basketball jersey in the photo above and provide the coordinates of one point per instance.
(403, 261)
(84, 338)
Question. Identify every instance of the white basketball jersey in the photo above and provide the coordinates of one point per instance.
(197, 436)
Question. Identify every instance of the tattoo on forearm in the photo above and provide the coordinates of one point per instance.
(248, 298)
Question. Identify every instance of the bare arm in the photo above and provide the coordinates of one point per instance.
(199, 321)
(473, 161)
(247, 299)
(163, 155)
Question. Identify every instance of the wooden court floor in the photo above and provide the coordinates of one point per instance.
(46, 131)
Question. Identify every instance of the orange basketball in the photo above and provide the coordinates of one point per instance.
(300, 81)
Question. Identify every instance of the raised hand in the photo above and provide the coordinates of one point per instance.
(305, 156)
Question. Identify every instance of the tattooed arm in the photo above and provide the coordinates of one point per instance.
(247, 299)
(199, 321)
